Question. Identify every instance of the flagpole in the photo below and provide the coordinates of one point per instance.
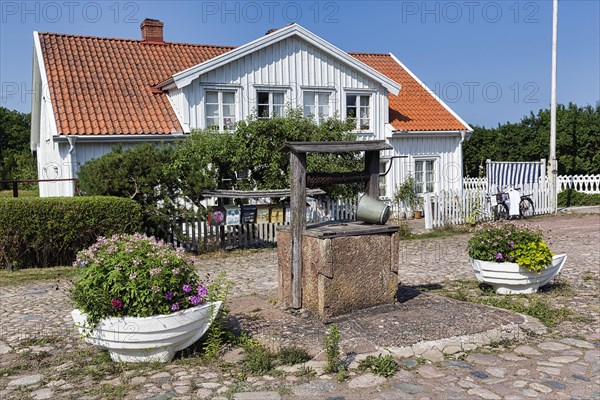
(553, 170)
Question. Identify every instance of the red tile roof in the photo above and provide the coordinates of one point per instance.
(414, 109)
(102, 86)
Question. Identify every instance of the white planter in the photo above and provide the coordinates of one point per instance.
(156, 338)
(509, 278)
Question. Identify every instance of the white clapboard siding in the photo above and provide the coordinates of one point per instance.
(291, 66)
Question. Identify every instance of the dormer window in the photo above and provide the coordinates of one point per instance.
(220, 110)
(270, 104)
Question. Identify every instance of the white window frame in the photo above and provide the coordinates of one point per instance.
(220, 90)
(423, 182)
(317, 92)
(359, 94)
(271, 91)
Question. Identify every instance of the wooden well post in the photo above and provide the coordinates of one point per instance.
(299, 181)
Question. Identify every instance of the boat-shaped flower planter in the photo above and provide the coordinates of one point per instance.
(148, 339)
(509, 278)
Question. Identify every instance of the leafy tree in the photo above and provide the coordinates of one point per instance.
(141, 174)
(252, 158)
(16, 160)
(577, 141)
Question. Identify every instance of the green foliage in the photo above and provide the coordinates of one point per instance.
(44, 232)
(571, 198)
(406, 194)
(135, 276)
(257, 359)
(381, 365)
(16, 161)
(506, 241)
(218, 335)
(577, 141)
(292, 355)
(332, 349)
(140, 174)
(251, 157)
(305, 371)
(533, 256)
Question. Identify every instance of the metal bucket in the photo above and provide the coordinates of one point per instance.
(372, 210)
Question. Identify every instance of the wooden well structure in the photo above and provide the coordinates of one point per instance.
(291, 264)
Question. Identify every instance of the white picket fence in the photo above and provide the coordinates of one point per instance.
(579, 183)
(193, 234)
(475, 205)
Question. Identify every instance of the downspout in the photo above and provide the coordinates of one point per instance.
(72, 160)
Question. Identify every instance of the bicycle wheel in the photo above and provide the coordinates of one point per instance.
(526, 208)
(501, 211)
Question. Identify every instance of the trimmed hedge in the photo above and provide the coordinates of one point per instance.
(44, 232)
(571, 198)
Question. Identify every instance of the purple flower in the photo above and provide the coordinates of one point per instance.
(551, 241)
(499, 256)
(202, 291)
(511, 244)
(118, 304)
(187, 288)
(195, 300)
(169, 296)
(175, 307)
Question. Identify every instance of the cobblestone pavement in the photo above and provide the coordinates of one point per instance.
(36, 331)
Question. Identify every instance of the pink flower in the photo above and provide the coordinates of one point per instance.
(118, 304)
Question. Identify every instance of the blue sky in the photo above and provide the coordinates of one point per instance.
(488, 60)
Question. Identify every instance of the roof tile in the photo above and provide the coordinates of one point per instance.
(104, 86)
(414, 109)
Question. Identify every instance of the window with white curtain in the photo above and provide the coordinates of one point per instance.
(316, 105)
(425, 176)
(220, 109)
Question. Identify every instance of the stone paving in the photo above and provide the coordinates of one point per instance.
(563, 363)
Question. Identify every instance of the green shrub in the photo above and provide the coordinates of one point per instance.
(381, 365)
(44, 232)
(141, 174)
(292, 355)
(257, 360)
(332, 349)
(571, 198)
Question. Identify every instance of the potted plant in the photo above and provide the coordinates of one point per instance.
(406, 194)
(512, 258)
(140, 299)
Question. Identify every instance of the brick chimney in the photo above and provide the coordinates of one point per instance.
(152, 31)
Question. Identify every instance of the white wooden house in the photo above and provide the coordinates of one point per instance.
(94, 93)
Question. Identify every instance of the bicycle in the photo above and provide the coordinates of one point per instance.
(501, 210)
